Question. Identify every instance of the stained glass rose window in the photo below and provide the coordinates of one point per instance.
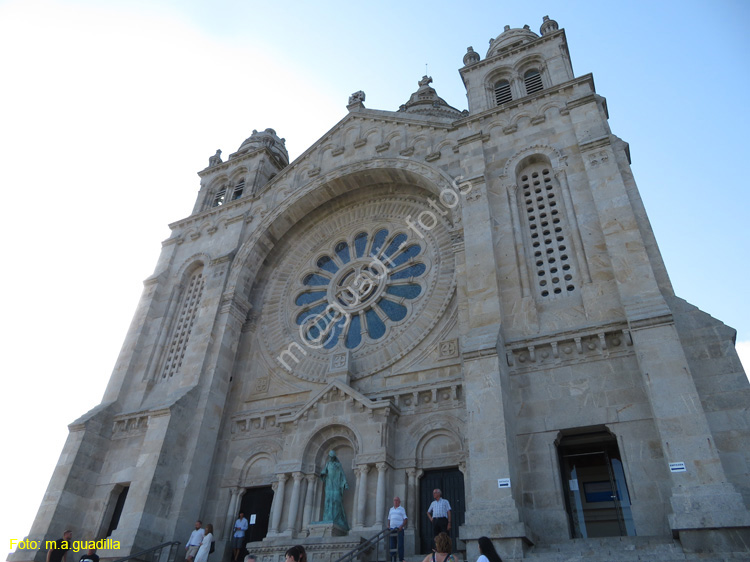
(356, 290)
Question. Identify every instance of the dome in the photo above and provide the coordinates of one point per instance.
(266, 139)
(426, 101)
(510, 37)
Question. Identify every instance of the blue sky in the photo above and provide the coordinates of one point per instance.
(110, 108)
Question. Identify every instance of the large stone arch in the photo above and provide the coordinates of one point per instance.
(325, 439)
(438, 442)
(258, 468)
(520, 158)
(274, 266)
(360, 175)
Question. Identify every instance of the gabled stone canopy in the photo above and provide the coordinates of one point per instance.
(338, 386)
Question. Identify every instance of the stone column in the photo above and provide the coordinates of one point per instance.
(355, 507)
(278, 503)
(317, 501)
(380, 494)
(362, 494)
(234, 494)
(309, 497)
(411, 495)
(291, 521)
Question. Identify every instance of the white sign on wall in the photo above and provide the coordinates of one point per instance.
(503, 482)
(677, 467)
(252, 519)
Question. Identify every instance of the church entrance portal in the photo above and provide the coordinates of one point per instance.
(257, 502)
(451, 482)
(596, 494)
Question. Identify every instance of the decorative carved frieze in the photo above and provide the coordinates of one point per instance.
(568, 349)
(130, 425)
(428, 397)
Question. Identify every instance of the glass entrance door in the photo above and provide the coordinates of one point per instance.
(596, 494)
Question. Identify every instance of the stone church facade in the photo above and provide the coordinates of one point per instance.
(468, 300)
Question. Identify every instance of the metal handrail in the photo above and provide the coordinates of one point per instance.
(366, 546)
(143, 554)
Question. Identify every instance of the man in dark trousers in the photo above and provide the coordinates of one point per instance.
(59, 551)
(439, 513)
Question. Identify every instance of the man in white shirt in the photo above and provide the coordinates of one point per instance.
(194, 542)
(396, 523)
(238, 540)
(439, 513)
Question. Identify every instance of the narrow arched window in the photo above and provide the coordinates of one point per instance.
(533, 81)
(238, 189)
(220, 197)
(186, 313)
(502, 92)
(551, 256)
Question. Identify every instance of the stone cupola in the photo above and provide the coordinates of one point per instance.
(425, 101)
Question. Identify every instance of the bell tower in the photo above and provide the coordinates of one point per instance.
(518, 64)
(256, 162)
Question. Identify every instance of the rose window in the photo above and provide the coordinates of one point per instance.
(356, 290)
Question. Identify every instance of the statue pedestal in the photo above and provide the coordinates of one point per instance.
(326, 529)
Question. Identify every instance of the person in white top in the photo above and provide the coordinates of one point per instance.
(487, 552)
(194, 542)
(238, 540)
(439, 513)
(396, 523)
(205, 548)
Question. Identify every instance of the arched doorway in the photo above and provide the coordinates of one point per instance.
(257, 502)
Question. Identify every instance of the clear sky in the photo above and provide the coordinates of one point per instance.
(109, 108)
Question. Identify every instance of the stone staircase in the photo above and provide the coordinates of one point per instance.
(623, 549)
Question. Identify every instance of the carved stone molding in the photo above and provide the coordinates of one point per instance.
(129, 427)
(568, 348)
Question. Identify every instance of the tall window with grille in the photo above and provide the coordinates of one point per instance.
(533, 81)
(502, 92)
(187, 312)
(542, 207)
